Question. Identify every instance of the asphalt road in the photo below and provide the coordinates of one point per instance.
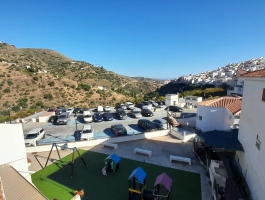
(71, 131)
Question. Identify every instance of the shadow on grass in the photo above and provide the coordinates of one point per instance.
(56, 183)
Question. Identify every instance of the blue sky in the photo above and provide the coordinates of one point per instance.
(150, 38)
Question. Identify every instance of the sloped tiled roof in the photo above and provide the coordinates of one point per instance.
(16, 186)
(233, 104)
(258, 73)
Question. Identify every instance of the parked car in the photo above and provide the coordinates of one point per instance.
(136, 114)
(100, 109)
(174, 109)
(139, 105)
(70, 110)
(148, 107)
(51, 110)
(84, 109)
(147, 113)
(87, 116)
(146, 125)
(108, 116)
(97, 117)
(59, 111)
(87, 132)
(118, 129)
(159, 122)
(107, 108)
(33, 136)
(77, 110)
(63, 118)
(121, 113)
(129, 105)
(123, 106)
(154, 104)
(147, 103)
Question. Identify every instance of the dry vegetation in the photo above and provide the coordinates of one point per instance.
(53, 80)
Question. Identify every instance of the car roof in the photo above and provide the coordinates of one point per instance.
(34, 130)
(86, 112)
(119, 125)
(86, 127)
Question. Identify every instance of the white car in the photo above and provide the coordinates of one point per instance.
(87, 117)
(70, 110)
(33, 136)
(87, 132)
(129, 105)
(149, 107)
(107, 109)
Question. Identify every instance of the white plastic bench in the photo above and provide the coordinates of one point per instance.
(182, 159)
(143, 151)
(107, 144)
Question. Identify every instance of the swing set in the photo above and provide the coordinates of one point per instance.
(63, 147)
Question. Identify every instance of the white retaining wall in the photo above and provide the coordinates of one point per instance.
(89, 143)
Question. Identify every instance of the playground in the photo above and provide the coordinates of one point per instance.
(59, 181)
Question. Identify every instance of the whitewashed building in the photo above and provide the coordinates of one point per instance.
(12, 148)
(237, 84)
(252, 133)
(192, 101)
(219, 114)
(172, 99)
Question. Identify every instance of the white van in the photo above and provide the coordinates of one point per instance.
(87, 132)
(87, 116)
(100, 108)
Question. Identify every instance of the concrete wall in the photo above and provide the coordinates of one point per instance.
(88, 143)
(213, 118)
(12, 148)
(252, 125)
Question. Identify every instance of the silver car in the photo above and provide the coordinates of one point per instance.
(63, 118)
(136, 114)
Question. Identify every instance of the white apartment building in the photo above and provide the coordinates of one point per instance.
(192, 101)
(252, 133)
(218, 114)
(237, 82)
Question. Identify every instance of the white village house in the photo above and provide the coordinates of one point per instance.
(218, 114)
(188, 101)
(252, 133)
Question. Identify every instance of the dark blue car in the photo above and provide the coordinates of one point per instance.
(108, 116)
(97, 117)
(159, 122)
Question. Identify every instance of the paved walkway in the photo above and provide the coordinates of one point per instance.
(161, 147)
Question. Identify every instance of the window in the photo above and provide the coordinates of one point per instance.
(200, 117)
(258, 143)
(263, 95)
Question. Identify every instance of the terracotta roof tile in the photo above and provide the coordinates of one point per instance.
(233, 104)
(16, 186)
(258, 73)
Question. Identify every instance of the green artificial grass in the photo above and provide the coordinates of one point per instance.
(55, 180)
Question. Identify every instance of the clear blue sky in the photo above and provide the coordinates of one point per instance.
(151, 38)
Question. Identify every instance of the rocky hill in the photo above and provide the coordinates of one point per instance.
(43, 77)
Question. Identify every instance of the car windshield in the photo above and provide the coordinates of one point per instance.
(87, 116)
(62, 116)
(31, 136)
(87, 131)
(69, 109)
(136, 112)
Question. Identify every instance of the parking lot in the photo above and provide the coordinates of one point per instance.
(71, 131)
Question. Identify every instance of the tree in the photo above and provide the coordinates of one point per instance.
(39, 103)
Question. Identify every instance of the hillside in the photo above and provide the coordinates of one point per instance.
(45, 78)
